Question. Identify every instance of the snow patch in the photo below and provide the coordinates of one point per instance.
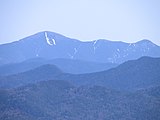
(49, 41)
(95, 42)
(71, 56)
(54, 42)
(75, 51)
(47, 38)
(132, 44)
(94, 47)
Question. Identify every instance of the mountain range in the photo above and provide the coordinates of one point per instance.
(60, 100)
(50, 45)
(131, 75)
(48, 76)
(66, 65)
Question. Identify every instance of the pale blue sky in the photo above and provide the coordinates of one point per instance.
(122, 20)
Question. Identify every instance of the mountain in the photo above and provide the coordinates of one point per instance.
(129, 76)
(80, 66)
(59, 100)
(50, 45)
(44, 72)
(66, 65)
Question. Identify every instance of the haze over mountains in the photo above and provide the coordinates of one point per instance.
(131, 75)
(66, 65)
(48, 76)
(50, 45)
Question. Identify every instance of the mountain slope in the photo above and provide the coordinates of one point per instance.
(134, 74)
(131, 75)
(44, 72)
(60, 100)
(50, 45)
(66, 65)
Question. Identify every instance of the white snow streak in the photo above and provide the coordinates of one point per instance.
(47, 38)
(50, 41)
(94, 47)
(75, 51)
(54, 42)
(71, 56)
(95, 42)
(132, 44)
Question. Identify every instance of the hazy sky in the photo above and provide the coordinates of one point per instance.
(122, 20)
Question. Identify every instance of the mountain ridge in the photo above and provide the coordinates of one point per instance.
(61, 100)
(129, 76)
(50, 45)
(66, 65)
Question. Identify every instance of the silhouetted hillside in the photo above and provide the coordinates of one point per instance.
(131, 75)
(44, 72)
(66, 65)
(60, 100)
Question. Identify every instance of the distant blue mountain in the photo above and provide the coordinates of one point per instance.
(50, 45)
(131, 75)
(66, 65)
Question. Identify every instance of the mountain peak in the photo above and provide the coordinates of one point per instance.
(145, 41)
(146, 58)
(50, 41)
(48, 67)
